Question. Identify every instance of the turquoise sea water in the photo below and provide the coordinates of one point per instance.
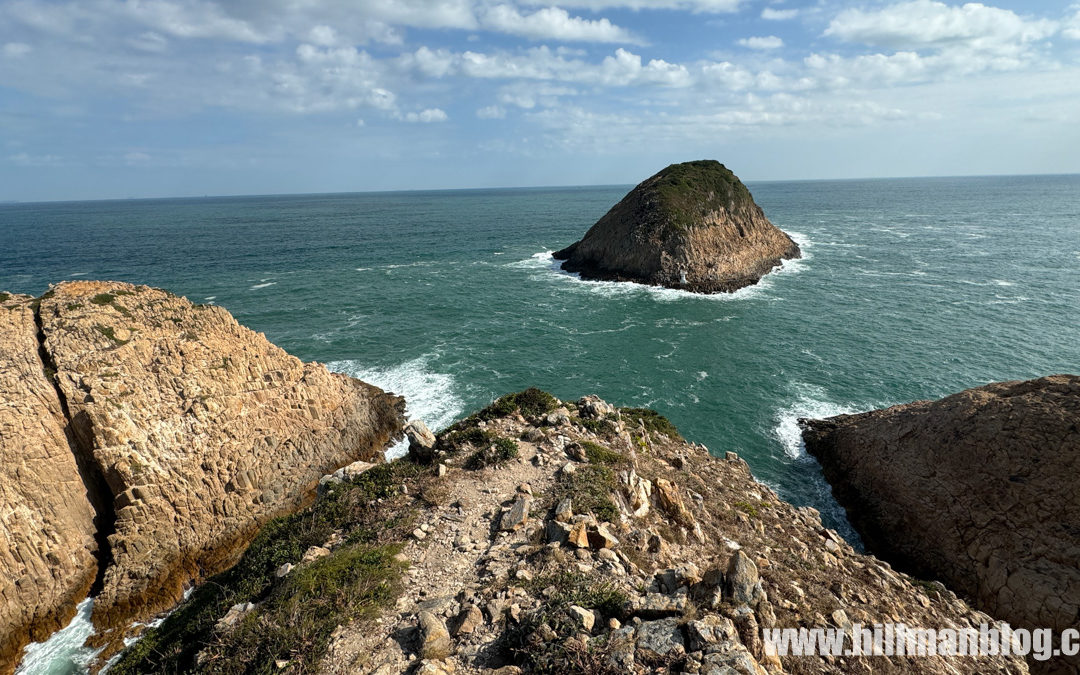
(909, 289)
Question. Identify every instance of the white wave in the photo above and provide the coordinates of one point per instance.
(1002, 282)
(429, 396)
(701, 375)
(63, 653)
(78, 274)
(363, 269)
(263, 285)
(811, 401)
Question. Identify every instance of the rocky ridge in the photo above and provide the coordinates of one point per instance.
(190, 431)
(976, 489)
(692, 226)
(548, 536)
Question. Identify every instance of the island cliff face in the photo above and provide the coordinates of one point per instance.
(192, 431)
(977, 489)
(693, 226)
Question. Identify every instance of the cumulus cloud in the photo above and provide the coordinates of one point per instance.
(491, 112)
(766, 42)
(771, 14)
(553, 23)
(928, 23)
(426, 116)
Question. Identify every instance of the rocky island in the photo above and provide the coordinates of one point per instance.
(693, 226)
(145, 440)
(977, 489)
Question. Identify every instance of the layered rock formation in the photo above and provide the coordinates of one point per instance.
(977, 489)
(546, 536)
(47, 543)
(693, 226)
(194, 429)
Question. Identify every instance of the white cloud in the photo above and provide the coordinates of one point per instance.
(928, 23)
(426, 116)
(1071, 26)
(553, 23)
(770, 14)
(696, 6)
(491, 112)
(149, 41)
(17, 50)
(766, 42)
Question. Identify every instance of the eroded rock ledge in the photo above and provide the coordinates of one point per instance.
(194, 430)
(977, 489)
(692, 226)
(543, 536)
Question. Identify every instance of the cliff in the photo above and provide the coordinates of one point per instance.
(547, 536)
(977, 489)
(192, 432)
(47, 545)
(692, 226)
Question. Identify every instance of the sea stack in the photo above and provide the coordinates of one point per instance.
(144, 441)
(977, 490)
(694, 226)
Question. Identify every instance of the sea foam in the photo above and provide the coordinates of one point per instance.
(810, 401)
(63, 653)
(429, 396)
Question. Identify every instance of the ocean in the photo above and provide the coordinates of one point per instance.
(908, 289)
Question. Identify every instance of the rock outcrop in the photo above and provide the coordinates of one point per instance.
(978, 490)
(693, 226)
(47, 545)
(599, 572)
(193, 431)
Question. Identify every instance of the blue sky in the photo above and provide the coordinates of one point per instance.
(138, 98)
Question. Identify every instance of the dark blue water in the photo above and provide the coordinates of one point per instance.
(910, 289)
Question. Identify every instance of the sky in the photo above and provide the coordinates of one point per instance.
(156, 98)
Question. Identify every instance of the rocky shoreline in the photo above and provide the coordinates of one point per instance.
(977, 489)
(548, 536)
(151, 438)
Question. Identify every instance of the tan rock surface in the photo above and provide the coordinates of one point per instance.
(693, 226)
(202, 428)
(46, 523)
(977, 490)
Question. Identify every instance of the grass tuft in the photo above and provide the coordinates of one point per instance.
(652, 420)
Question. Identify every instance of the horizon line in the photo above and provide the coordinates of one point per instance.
(14, 202)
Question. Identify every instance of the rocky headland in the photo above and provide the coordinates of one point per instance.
(544, 536)
(693, 226)
(145, 441)
(977, 489)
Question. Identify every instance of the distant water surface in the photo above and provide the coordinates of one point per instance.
(909, 289)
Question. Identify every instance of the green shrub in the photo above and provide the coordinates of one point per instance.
(494, 454)
(102, 299)
(4, 297)
(108, 332)
(598, 454)
(652, 420)
(590, 487)
(369, 544)
(531, 403)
